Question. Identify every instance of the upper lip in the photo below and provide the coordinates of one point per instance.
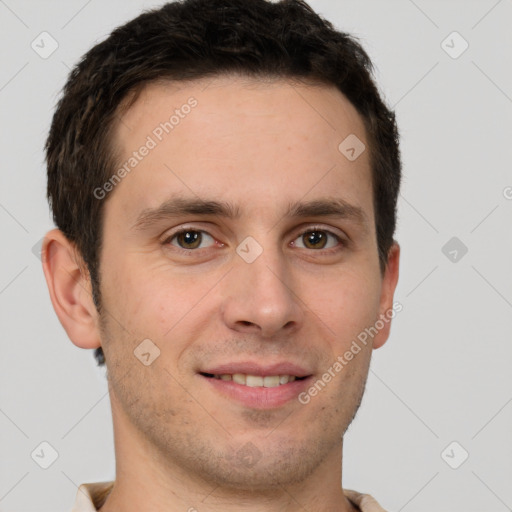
(254, 368)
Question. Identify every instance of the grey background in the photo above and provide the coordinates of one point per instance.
(443, 376)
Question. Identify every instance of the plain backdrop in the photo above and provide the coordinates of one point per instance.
(439, 391)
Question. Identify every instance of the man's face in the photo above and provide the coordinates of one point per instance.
(268, 155)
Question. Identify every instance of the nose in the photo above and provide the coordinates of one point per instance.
(259, 298)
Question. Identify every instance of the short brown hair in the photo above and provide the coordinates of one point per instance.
(193, 39)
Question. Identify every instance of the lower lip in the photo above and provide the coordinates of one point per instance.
(259, 397)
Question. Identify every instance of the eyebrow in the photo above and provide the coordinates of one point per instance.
(178, 206)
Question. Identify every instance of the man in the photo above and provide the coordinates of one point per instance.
(224, 175)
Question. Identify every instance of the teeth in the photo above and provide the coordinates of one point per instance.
(239, 378)
(271, 381)
(255, 381)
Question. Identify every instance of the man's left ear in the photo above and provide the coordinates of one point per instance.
(389, 282)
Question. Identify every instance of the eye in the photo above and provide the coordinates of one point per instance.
(191, 239)
(317, 239)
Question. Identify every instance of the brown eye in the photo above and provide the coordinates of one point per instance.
(190, 239)
(314, 239)
(317, 239)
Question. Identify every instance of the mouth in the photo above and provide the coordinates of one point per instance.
(255, 381)
(257, 387)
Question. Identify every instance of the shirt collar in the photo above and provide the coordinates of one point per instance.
(88, 494)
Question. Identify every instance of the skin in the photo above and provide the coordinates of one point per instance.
(260, 146)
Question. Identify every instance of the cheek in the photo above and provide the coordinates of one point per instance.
(150, 300)
(347, 303)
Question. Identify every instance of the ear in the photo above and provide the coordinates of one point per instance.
(387, 310)
(70, 290)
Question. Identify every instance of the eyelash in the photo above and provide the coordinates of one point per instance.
(342, 243)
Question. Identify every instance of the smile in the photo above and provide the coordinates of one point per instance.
(255, 381)
(257, 391)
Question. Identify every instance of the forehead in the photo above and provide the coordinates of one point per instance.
(253, 143)
(231, 100)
